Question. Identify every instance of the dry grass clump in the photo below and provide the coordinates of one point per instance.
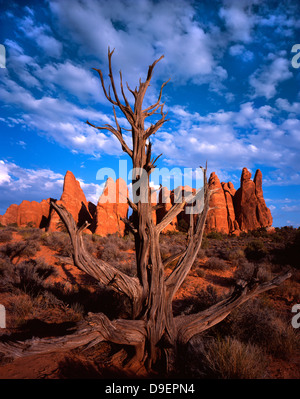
(214, 263)
(225, 358)
(15, 250)
(59, 242)
(246, 269)
(5, 235)
(260, 324)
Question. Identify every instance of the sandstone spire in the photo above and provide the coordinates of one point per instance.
(74, 200)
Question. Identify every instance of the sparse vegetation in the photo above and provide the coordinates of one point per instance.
(226, 358)
(5, 235)
(214, 263)
(238, 347)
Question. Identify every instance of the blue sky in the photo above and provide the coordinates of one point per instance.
(233, 98)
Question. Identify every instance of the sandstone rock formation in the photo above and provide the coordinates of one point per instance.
(217, 217)
(74, 200)
(112, 205)
(34, 214)
(250, 207)
(229, 192)
(232, 211)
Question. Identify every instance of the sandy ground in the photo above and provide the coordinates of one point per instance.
(74, 365)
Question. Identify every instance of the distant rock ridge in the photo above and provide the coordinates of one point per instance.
(232, 211)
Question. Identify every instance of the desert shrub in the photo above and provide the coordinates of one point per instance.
(111, 252)
(292, 250)
(58, 241)
(289, 290)
(225, 358)
(20, 307)
(200, 272)
(255, 250)
(183, 225)
(246, 269)
(205, 243)
(261, 325)
(214, 263)
(29, 276)
(123, 243)
(216, 235)
(236, 256)
(6, 274)
(205, 298)
(201, 254)
(5, 235)
(75, 312)
(259, 233)
(31, 234)
(20, 249)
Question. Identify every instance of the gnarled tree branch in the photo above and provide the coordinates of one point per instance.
(190, 325)
(97, 268)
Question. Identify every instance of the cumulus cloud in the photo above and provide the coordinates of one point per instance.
(60, 119)
(18, 184)
(239, 19)
(141, 32)
(221, 139)
(265, 80)
(42, 35)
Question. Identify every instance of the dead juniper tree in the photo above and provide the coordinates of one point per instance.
(152, 330)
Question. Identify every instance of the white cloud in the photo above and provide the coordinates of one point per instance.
(42, 35)
(235, 139)
(60, 120)
(265, 80)
(141, 32)
(4, 176)
(239, 19)
(74, 79)
(18, 184)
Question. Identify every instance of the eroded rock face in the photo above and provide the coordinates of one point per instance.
(217, 217)
(112, 205)
(239, 210)
(250, 207)
(232, 211)
(264, 215)
(229, 192)
(10, 216)
(34, 214)
(74, 200)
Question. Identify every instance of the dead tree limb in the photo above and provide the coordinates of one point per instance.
(94, 329)
(190, 325)
(97, 268)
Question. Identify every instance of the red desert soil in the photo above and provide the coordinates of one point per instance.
(73, 364)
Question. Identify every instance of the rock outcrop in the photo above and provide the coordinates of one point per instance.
(74, 200)
(217, 217)
(34, 214)
(111, 207)
(232, 211)
(250, 207)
